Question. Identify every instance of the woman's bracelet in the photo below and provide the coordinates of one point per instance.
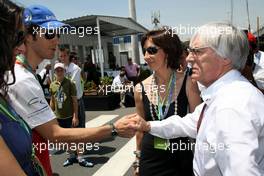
(137, 153)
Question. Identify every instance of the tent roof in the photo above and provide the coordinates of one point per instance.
(109, 25)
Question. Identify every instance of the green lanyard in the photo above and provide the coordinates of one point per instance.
(168, 96)
(59, 93)
(21, 60)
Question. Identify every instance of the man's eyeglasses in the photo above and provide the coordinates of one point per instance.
(151, 50)
(196, 50)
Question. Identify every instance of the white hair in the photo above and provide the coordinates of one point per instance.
(227, 41)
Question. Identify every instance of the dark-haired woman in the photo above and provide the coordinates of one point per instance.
(166, 92)
(15, 135)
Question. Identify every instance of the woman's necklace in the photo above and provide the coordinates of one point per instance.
(157, 111)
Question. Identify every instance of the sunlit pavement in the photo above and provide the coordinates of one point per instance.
(111, 158)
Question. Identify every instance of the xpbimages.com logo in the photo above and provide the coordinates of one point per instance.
(190, 30)
(81, 147)
(80, 31)
(107, 89)
(203, 146)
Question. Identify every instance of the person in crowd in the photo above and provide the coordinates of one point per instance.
(166, 92)
(64, 104)
(15, 159)
(44, 78)
(247, 71)
(63, 98)
(257, 63)
(90, 71)
(73, 72)
(228, 126)
(76, 61)
(112, 60)
(119, 85)
(27, 98)
(132, 71)
(183, 65)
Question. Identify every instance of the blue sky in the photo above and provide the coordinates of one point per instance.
(174, 13)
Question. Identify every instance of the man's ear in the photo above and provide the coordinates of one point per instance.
(227, 61)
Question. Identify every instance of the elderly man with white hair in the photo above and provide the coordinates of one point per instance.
(229, 125)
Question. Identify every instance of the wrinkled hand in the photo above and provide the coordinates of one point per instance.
(125, 126)
(141, 124)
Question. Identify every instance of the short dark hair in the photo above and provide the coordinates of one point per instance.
(31, 30)
(185, 45)
(73, 53)
(122, 67)
(169, 42)
(72, 57)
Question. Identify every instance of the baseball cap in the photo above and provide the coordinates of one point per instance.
(41, 16)
(59, 65)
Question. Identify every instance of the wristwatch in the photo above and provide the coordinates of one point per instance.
(114, 131)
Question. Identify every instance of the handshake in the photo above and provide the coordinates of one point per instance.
(128, 125)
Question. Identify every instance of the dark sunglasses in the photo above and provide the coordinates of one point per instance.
(151, 50)
(51, 35)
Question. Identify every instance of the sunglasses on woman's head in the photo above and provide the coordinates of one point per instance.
(151, 50)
